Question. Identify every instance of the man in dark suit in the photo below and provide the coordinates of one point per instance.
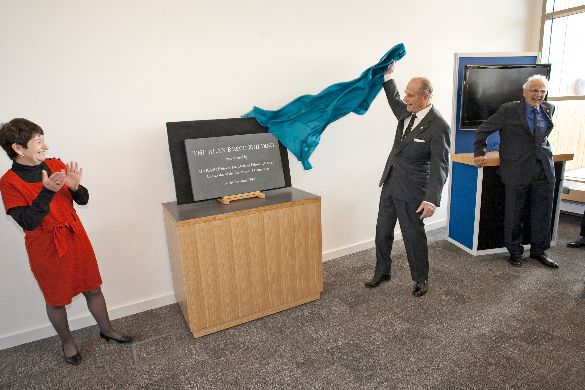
(413, 179)
(526, 168)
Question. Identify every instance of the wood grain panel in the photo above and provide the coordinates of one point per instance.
(246, 264)
(177, 272)
(193, 276)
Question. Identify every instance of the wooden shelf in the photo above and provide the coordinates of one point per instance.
(493, 158)
(576, 192)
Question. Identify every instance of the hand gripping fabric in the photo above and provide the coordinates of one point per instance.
(299, 124)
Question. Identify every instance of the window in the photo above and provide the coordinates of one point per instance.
(563, 45)
(560, 5)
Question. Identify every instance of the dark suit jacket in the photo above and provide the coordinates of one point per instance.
(518, 146)
(419, 164)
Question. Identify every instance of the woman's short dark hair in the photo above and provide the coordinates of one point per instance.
(18, 131)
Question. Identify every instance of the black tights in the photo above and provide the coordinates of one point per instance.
(97, 306)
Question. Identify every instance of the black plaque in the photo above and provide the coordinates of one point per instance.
(234, 164)
(178, 132)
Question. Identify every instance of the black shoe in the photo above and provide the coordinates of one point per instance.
(122, 340)
(74, 360)
(545, 260)
(376, 280)
(580, 243)
(420, 288)
(516, 260)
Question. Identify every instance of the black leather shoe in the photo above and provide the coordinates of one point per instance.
(122, 340)
(376, 280)
(516, 260)
(74, 360)
(580, 243)
(545, 260)
(420, 288)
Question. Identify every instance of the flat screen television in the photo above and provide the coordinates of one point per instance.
(486, 87)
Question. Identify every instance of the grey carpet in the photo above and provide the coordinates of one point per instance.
(483, 325)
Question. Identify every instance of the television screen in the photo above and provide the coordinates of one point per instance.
(486, 87)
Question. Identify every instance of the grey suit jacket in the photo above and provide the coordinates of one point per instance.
(419, 164)
(518, 146)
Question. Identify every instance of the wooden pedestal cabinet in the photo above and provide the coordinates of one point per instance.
(239, 262)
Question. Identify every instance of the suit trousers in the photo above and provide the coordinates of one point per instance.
(534, 199)
(413, 234)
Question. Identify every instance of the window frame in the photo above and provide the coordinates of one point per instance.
(554, 15)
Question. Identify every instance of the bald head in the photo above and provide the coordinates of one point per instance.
(418, 94)
(424, 85)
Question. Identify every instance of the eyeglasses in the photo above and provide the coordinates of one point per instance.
(535, 91)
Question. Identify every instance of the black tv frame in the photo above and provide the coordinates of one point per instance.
(466, 123)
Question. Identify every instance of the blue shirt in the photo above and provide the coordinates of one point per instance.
(543, 121)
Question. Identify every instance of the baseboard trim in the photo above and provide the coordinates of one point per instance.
(79, 322)
(82, 321)
(348, 250)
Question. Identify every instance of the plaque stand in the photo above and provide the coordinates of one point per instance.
(237, 263)
(227, 199)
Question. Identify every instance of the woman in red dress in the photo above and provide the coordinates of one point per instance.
(38, 193)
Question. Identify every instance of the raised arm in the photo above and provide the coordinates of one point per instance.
(396, 104)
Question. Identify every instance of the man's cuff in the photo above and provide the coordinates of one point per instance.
(387, 77)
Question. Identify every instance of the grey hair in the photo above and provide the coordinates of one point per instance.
(538, 77)
(424, 86)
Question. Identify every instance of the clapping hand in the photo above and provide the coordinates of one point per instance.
(55, 181)
(74, 173)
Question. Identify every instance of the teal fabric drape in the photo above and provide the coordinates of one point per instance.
(299, 124)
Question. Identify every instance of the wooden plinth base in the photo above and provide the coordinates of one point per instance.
(237, 266)
(212, 329)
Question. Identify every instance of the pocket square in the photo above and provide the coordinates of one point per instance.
(419, 140)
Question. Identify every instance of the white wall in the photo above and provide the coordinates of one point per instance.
(102, 78)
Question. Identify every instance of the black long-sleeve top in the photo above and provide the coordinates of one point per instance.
(29, 217)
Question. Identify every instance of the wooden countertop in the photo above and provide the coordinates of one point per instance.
(493, 158)
(212, 208)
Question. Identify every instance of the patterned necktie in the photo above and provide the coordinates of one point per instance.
(536, 126)
(538, 136)
(409, 127)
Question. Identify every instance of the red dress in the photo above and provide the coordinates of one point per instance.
(60, 254)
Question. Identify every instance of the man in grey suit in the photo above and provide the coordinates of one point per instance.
(413, 179)
(526, 168)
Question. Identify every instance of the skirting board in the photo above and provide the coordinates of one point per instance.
(348, 250)
(41, 332)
